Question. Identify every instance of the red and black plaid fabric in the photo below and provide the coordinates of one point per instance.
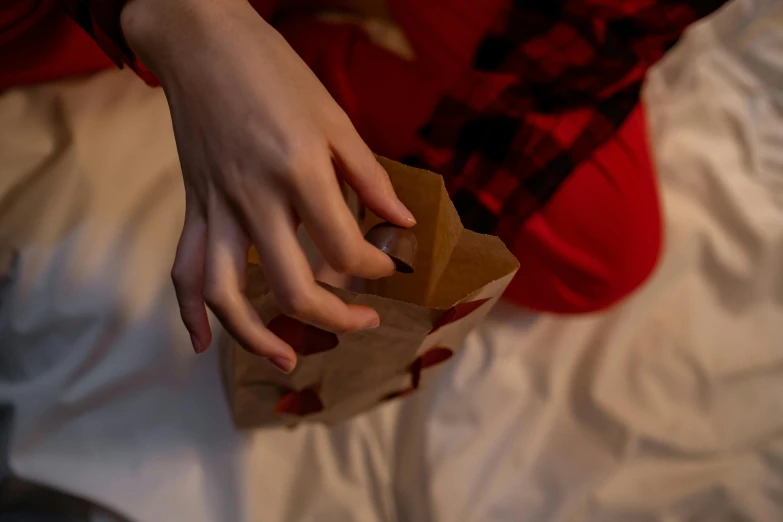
(551, 83)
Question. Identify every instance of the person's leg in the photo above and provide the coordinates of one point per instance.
(592, 244)
(599, 237)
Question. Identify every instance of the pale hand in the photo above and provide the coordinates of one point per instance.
(262, 146)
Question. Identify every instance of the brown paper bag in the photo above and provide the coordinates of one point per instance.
(424, 317)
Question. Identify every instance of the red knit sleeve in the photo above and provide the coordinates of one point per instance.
(101, 19)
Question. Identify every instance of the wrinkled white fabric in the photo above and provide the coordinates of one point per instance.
(668, 408)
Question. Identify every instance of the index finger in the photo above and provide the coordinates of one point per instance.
(336, 233)
(291, 279)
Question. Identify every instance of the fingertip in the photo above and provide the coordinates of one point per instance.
(390, 208)
(386, 263)
(365, 317)
(284, 364)
(369, 179)
(406, 217)
(274, 349)
(197, 325)
(397, 212)
(198, 345)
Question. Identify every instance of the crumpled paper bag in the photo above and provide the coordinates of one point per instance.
(424, 318)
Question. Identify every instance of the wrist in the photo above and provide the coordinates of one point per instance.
(156, 29)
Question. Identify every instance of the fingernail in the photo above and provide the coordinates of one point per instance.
(374, 323)
(283, 364)
(406, 214)
(195, 342)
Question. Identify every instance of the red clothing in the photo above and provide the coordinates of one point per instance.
(38, 43)
(530, 111)
(591, 244)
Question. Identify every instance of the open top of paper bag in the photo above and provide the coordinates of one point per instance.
(459, 274)
(451, 262)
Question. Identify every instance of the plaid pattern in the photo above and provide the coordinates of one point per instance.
(551, 82)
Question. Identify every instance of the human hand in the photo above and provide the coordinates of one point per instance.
(262, 146)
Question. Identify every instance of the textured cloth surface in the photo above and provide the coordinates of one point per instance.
(548, 85)
(666, 409)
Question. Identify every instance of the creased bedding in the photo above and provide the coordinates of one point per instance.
(668, 408)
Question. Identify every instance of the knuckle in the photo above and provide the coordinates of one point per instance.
(179, 278)
(286, 156)
(176, 278)
(375, 173)
(341, 121)
(217, 299)
(296, 303)
(295, 165)
(188, 296)
(238, 187)
(344, 259)
(298, 170)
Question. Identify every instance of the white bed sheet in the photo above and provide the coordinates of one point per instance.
(667, 409)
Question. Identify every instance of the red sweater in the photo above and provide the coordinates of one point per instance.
(39, 43)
